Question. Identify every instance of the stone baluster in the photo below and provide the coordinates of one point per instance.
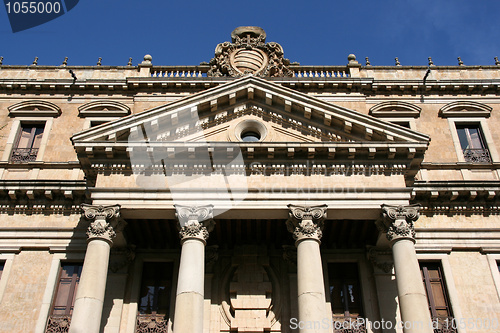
(306, 224)
(89, 298)
(397, 222)
(194, 224)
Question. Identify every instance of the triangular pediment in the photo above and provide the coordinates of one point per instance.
(287, 114)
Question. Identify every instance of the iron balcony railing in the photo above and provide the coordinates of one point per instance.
(58, 324)
(348, 324)
(151, 323)
(22, 155)
(477, 155)
(444, 325)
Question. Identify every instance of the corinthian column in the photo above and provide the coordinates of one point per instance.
(398, 223)
(89, 299)
(306, 224)
(194, 224)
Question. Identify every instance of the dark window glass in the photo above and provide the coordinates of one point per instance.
(156, 288)
(69, 277)
(402, 123)
(27, 143)
(345, 291)
(2, 264)
(470, 136)
(250, 136)
(95, 123)
(432, 275)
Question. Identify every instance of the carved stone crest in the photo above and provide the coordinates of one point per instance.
(398, 221)
(248, 53)
(306, 222)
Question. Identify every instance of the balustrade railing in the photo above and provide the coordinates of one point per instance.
(21, 155)
(151, 323)
(58, 324)
(201, 71)
(321, 73)
(477, 155)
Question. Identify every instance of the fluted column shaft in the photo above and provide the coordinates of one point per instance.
(306, 224)
(89, 298)
(398, 222)
(194, 223)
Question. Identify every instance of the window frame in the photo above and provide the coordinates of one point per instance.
(88, 121)
(16, 130)
(494, 263)
(367, 291)
(51, 286)
(448, 283)
(486, 134)
(74, 287)
(394, 120)
(7, 260)
(136, 277)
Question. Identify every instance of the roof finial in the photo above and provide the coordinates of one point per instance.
(397, 61)
(367, 62)
(35, 62)
(431, 63)
(147, 60)
(1, 61)
(497, 62)
(460, 62)
(65, 62)
(99, 61)
(129, 62)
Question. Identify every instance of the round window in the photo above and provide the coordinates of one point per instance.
(250, 131)
(250, 136)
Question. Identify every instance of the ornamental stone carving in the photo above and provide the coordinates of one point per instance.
(101, 218)
(306, 222)
(397, 221)
(194, 221)
(249, 54)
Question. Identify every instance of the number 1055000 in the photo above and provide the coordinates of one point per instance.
(33, 7)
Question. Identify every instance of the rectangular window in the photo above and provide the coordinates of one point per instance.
(473, 144)
(27, 143)
(437, 296)
(2, 264)
(345, 291)
(64, 298)
(155, 294)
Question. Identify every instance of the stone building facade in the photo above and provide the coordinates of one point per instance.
(249, 194)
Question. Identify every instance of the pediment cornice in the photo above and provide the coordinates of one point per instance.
(280, 101)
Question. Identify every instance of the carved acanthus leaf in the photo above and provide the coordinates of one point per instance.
(306, 222)
(398, 221)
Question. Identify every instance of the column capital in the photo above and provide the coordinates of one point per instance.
(100, 217)
(397, 221)
(306, 221)
(194, 221)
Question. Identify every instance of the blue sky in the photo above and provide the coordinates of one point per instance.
(311, 32)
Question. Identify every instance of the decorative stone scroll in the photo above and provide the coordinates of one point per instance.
(249, 54)
(397, 221)
(306, 222)
(101, 217)
(194, 221)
